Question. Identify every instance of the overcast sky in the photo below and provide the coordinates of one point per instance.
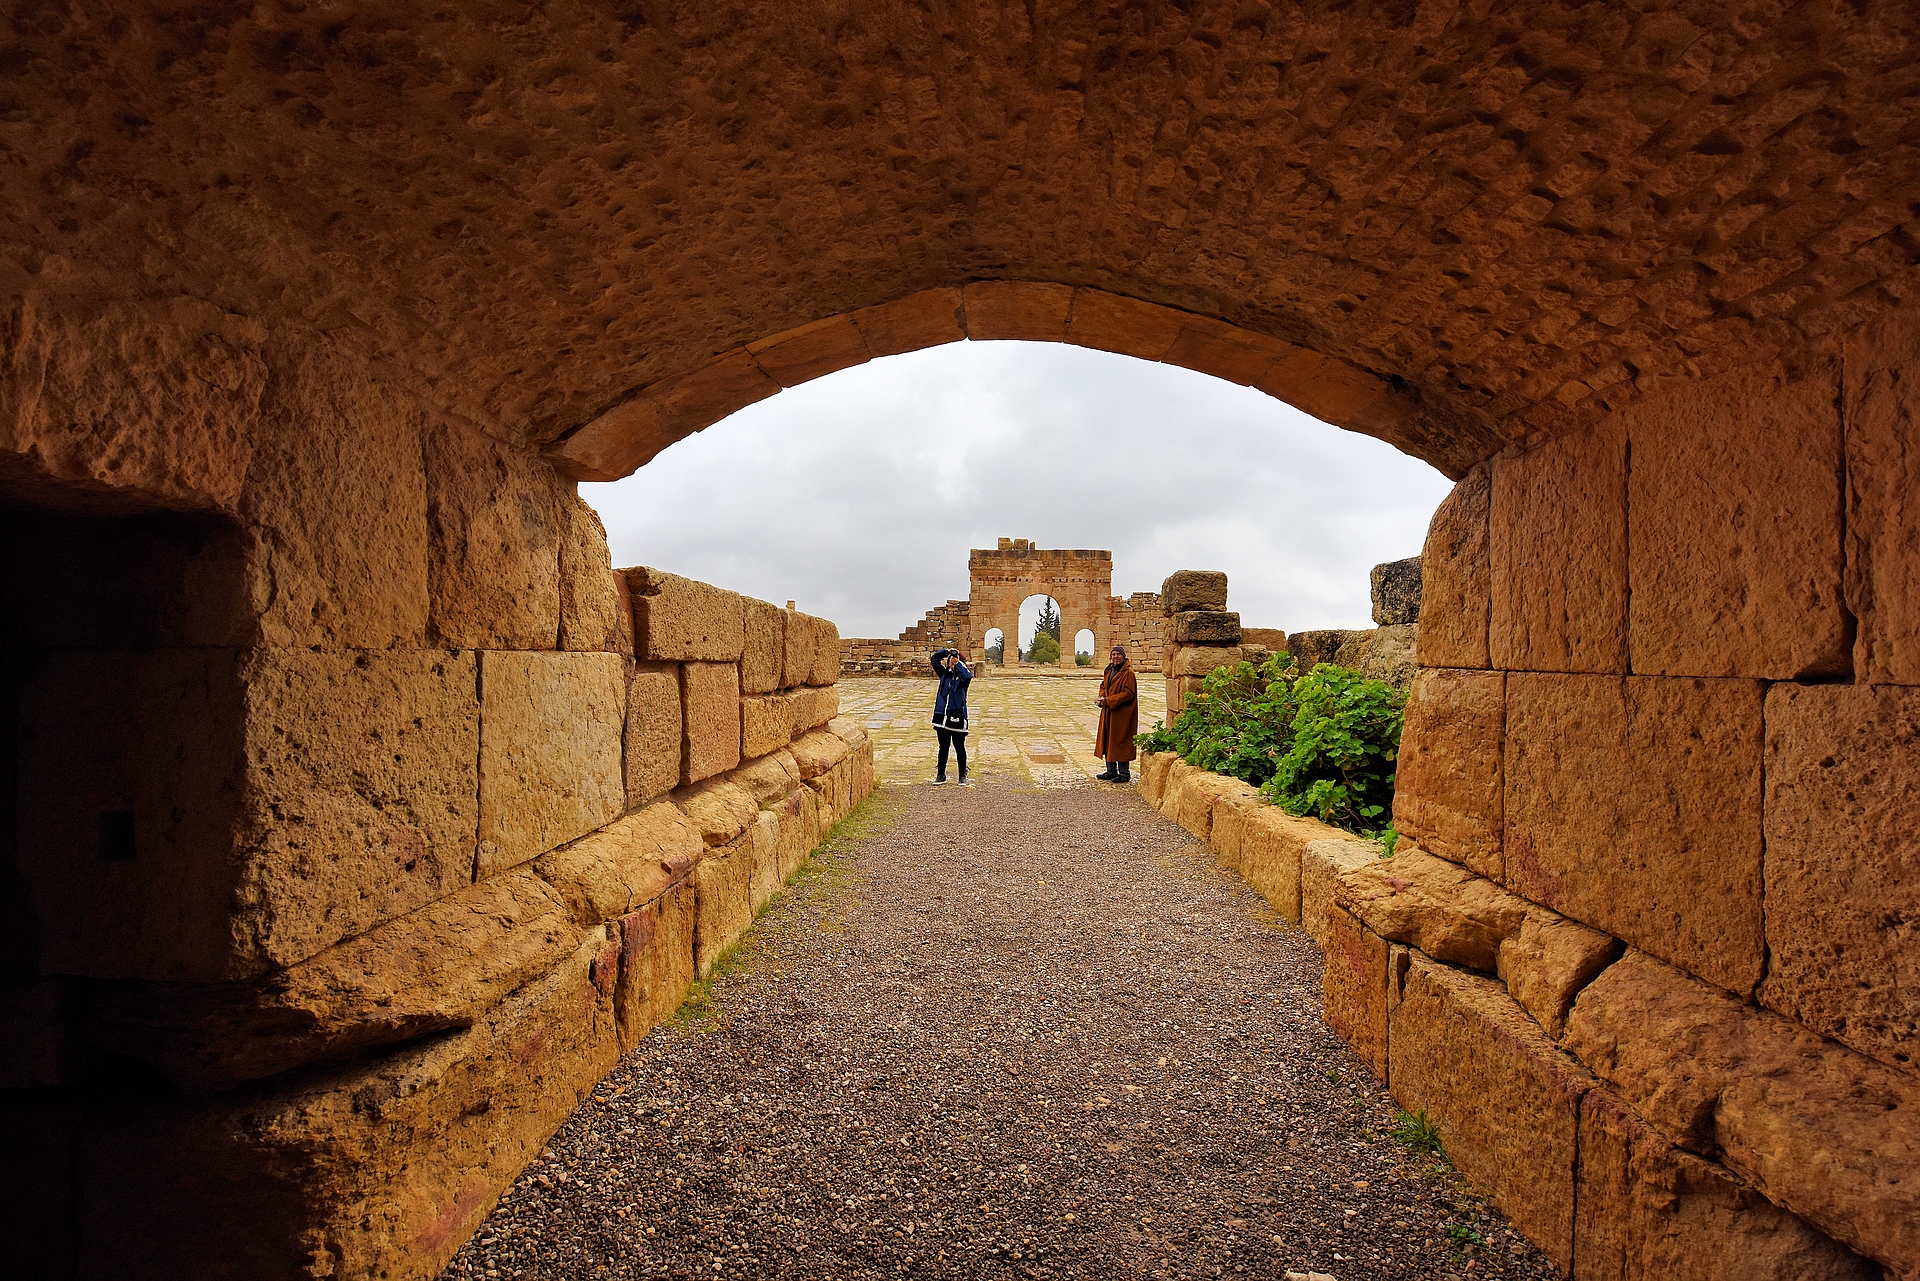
(859, 494)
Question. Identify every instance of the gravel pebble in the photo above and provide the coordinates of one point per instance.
(998, 1032)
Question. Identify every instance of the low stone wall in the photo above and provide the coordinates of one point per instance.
(357, 1110)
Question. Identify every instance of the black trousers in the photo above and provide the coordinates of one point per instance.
(959, 743)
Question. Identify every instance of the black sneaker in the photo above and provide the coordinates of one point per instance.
(1109, 776)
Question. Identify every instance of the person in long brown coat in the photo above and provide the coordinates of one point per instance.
(1119, 718)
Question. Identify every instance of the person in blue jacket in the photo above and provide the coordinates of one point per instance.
(950, 710)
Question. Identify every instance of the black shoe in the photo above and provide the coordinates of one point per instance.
(1109, 776)
(1123, 776)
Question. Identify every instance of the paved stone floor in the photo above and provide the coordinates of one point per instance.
(1013, 1032)
(1035, 728)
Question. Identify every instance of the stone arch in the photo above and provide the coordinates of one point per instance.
(624, 437)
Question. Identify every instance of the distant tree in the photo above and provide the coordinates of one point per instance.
(997, 651)
(1045, 648)
(1049, 623)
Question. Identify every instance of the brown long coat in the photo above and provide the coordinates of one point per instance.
(1120, 716)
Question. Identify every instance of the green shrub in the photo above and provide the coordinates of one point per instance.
(1323, 744)
(1045, 649)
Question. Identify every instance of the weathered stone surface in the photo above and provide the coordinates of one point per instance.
(656, 961)
(1012, 309)
(810, 351)
(1823, 1130)
(550, 766)
(799, 830)
(1456, 588)
(725, 908)
(1505, 1100)
(1883, 516)
(710, 735)
(1734, 503)
(653, 735)
(438, 967)
(1353, 991)
(1310, 649)
(769, 779)
(339, 555)
(766, 724)
(1206, 627)
(1272, 844)
(596, 612)
(1843, 864)
(1673, 869)
(826, 654)
(1197, 792)
(631, 861)
(848, 731)
(494, 521)
(818, 751)
(377, 1168)
(1444, 910)
(1448, 787)
(1322, 863)
(763, 646)
(1151, 778)
(719, 809)
(1396, 592)
(1188, 589)
(261, 805)
(1390, 655)
(678, 620)
(1198, 660)
(1271, 639)
(1557, 552)
(810, 708)
(801, 640)
(764, 848)
(1648, 1211)
(1548, 961)
(1108, 322)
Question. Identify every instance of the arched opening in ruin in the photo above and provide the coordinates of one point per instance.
(994, 647)
(1040, 628)
(1085, 649)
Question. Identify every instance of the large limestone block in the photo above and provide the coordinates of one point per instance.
(1818, 1128)
(160, 403)
(1206, 627)
(1310, 649)
(1549, 961)
(810, 351)
(709, 719)
(1734, 503)
(1354, 987)
(653, 737)
(1272, 843)
(1456, 586)
(1199, 791)
(1229, 826)
(769, 779)
(1505, 1100)
(763, 647)
(818, 751)
(1883, 515)
(550, 764)
(799, 830)
(1322, 863)
(438, 967)
(1673, 869)
(1448, 789)
(1395, 589)
(340, 553)
(381, 1168)
(198, 815)
(1444, 910)
(1843, 864)
(723, 882)
(494, 523)
(1648, 1211)
(766, 723)
(1557, 551)
(764, 848)
(1271, 639)
(1199, 660)
(719, 809)
(595, 611)
(826, 654)
(656, 961)
(629, 862)
(1187, 589)
(824, 707)
(680, 620)
(1001, 309)
(848, 730)
(1151, 779)
(925, 319)
(1390, 655)
(801, 640)
(1110, 322)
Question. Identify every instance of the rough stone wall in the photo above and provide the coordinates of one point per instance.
(1645, 954)
(999, 581)
(358, 817)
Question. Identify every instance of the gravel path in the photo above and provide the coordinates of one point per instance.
(998, 1032)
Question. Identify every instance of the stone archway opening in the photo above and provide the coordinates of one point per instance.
(1084, 644)
(1040, 631)
(994, 647)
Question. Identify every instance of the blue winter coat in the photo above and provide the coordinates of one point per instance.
(950, 704)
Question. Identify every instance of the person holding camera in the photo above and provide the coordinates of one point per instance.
(950, 710)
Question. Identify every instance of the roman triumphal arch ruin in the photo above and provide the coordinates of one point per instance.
(359, 813)
(999, 579)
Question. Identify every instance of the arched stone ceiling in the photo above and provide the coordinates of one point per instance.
(1503, 219)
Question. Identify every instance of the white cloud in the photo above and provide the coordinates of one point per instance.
(858, 495)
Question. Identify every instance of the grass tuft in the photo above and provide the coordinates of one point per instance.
(1413, 1131)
